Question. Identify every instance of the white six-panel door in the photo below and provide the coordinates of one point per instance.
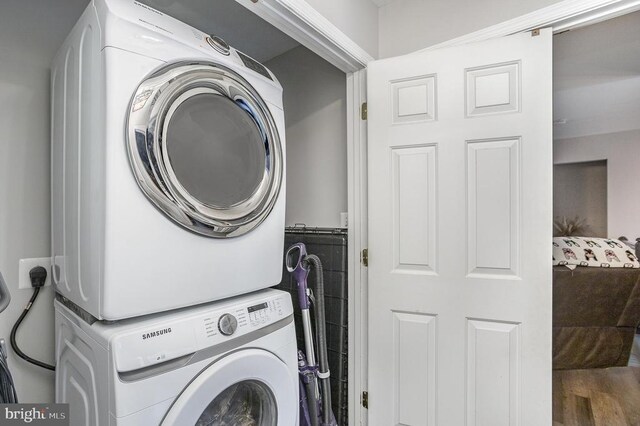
(460, 192)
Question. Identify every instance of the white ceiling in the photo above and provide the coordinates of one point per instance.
(596, 78)
(228, 19)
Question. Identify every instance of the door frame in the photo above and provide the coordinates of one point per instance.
(303, 23)
(300, 21)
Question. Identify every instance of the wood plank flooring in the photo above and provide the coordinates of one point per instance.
(597, 397)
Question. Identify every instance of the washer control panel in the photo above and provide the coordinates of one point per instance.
(174, 335)
(227, 324)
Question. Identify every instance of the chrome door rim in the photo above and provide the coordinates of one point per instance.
(150, 111)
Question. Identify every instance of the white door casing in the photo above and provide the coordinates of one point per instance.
(460, 208)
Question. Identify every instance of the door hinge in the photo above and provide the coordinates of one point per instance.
(364, 257)
(535, 33)
(363, 111)
(365, 399)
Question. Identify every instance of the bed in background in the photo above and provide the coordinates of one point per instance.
(596, 302)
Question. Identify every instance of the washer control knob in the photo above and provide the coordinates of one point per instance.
(227, 324)
(219, 44)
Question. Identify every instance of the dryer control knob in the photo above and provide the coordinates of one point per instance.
(227, 324)
(219, 44)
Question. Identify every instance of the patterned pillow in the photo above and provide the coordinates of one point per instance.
(597, 252)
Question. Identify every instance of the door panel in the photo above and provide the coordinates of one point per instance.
(460, 195)
(493, 176)
(493, 360)
(414, 216)
(414, 349)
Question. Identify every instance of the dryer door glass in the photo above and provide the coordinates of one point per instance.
(205, 149)
(248, 403)
(215, 150)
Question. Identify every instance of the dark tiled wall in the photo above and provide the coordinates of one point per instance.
(331, 247)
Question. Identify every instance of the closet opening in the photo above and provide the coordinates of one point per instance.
(596, 280)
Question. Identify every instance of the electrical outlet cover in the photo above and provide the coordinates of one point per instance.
(25, 265)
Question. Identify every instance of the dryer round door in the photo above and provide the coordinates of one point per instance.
(205, 149)
(248, 387)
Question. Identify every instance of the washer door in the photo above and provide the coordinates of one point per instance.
(249, 387)
(205, 149)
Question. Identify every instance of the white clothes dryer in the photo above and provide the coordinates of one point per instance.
(224, 363)
(168, 165)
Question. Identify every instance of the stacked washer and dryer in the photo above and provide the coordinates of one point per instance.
(168, 208)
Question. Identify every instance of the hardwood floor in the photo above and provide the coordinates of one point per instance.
(597, 397)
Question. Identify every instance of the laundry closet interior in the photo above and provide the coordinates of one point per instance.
(315, 116)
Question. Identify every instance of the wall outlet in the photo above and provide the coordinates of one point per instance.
(25, 265)
(344, 220)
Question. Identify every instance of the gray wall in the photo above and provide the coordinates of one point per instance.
(622, 152)
(409, 25)
(30, 32)
(596, 78)
(580, 189)
(315, 113)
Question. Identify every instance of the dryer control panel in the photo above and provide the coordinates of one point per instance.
(164, 28)
(175, 335)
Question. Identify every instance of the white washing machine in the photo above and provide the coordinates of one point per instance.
(232, 362)
(168, 171)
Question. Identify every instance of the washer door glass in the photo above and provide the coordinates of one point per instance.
(205, 149)
(249, 387)
(248, 403)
